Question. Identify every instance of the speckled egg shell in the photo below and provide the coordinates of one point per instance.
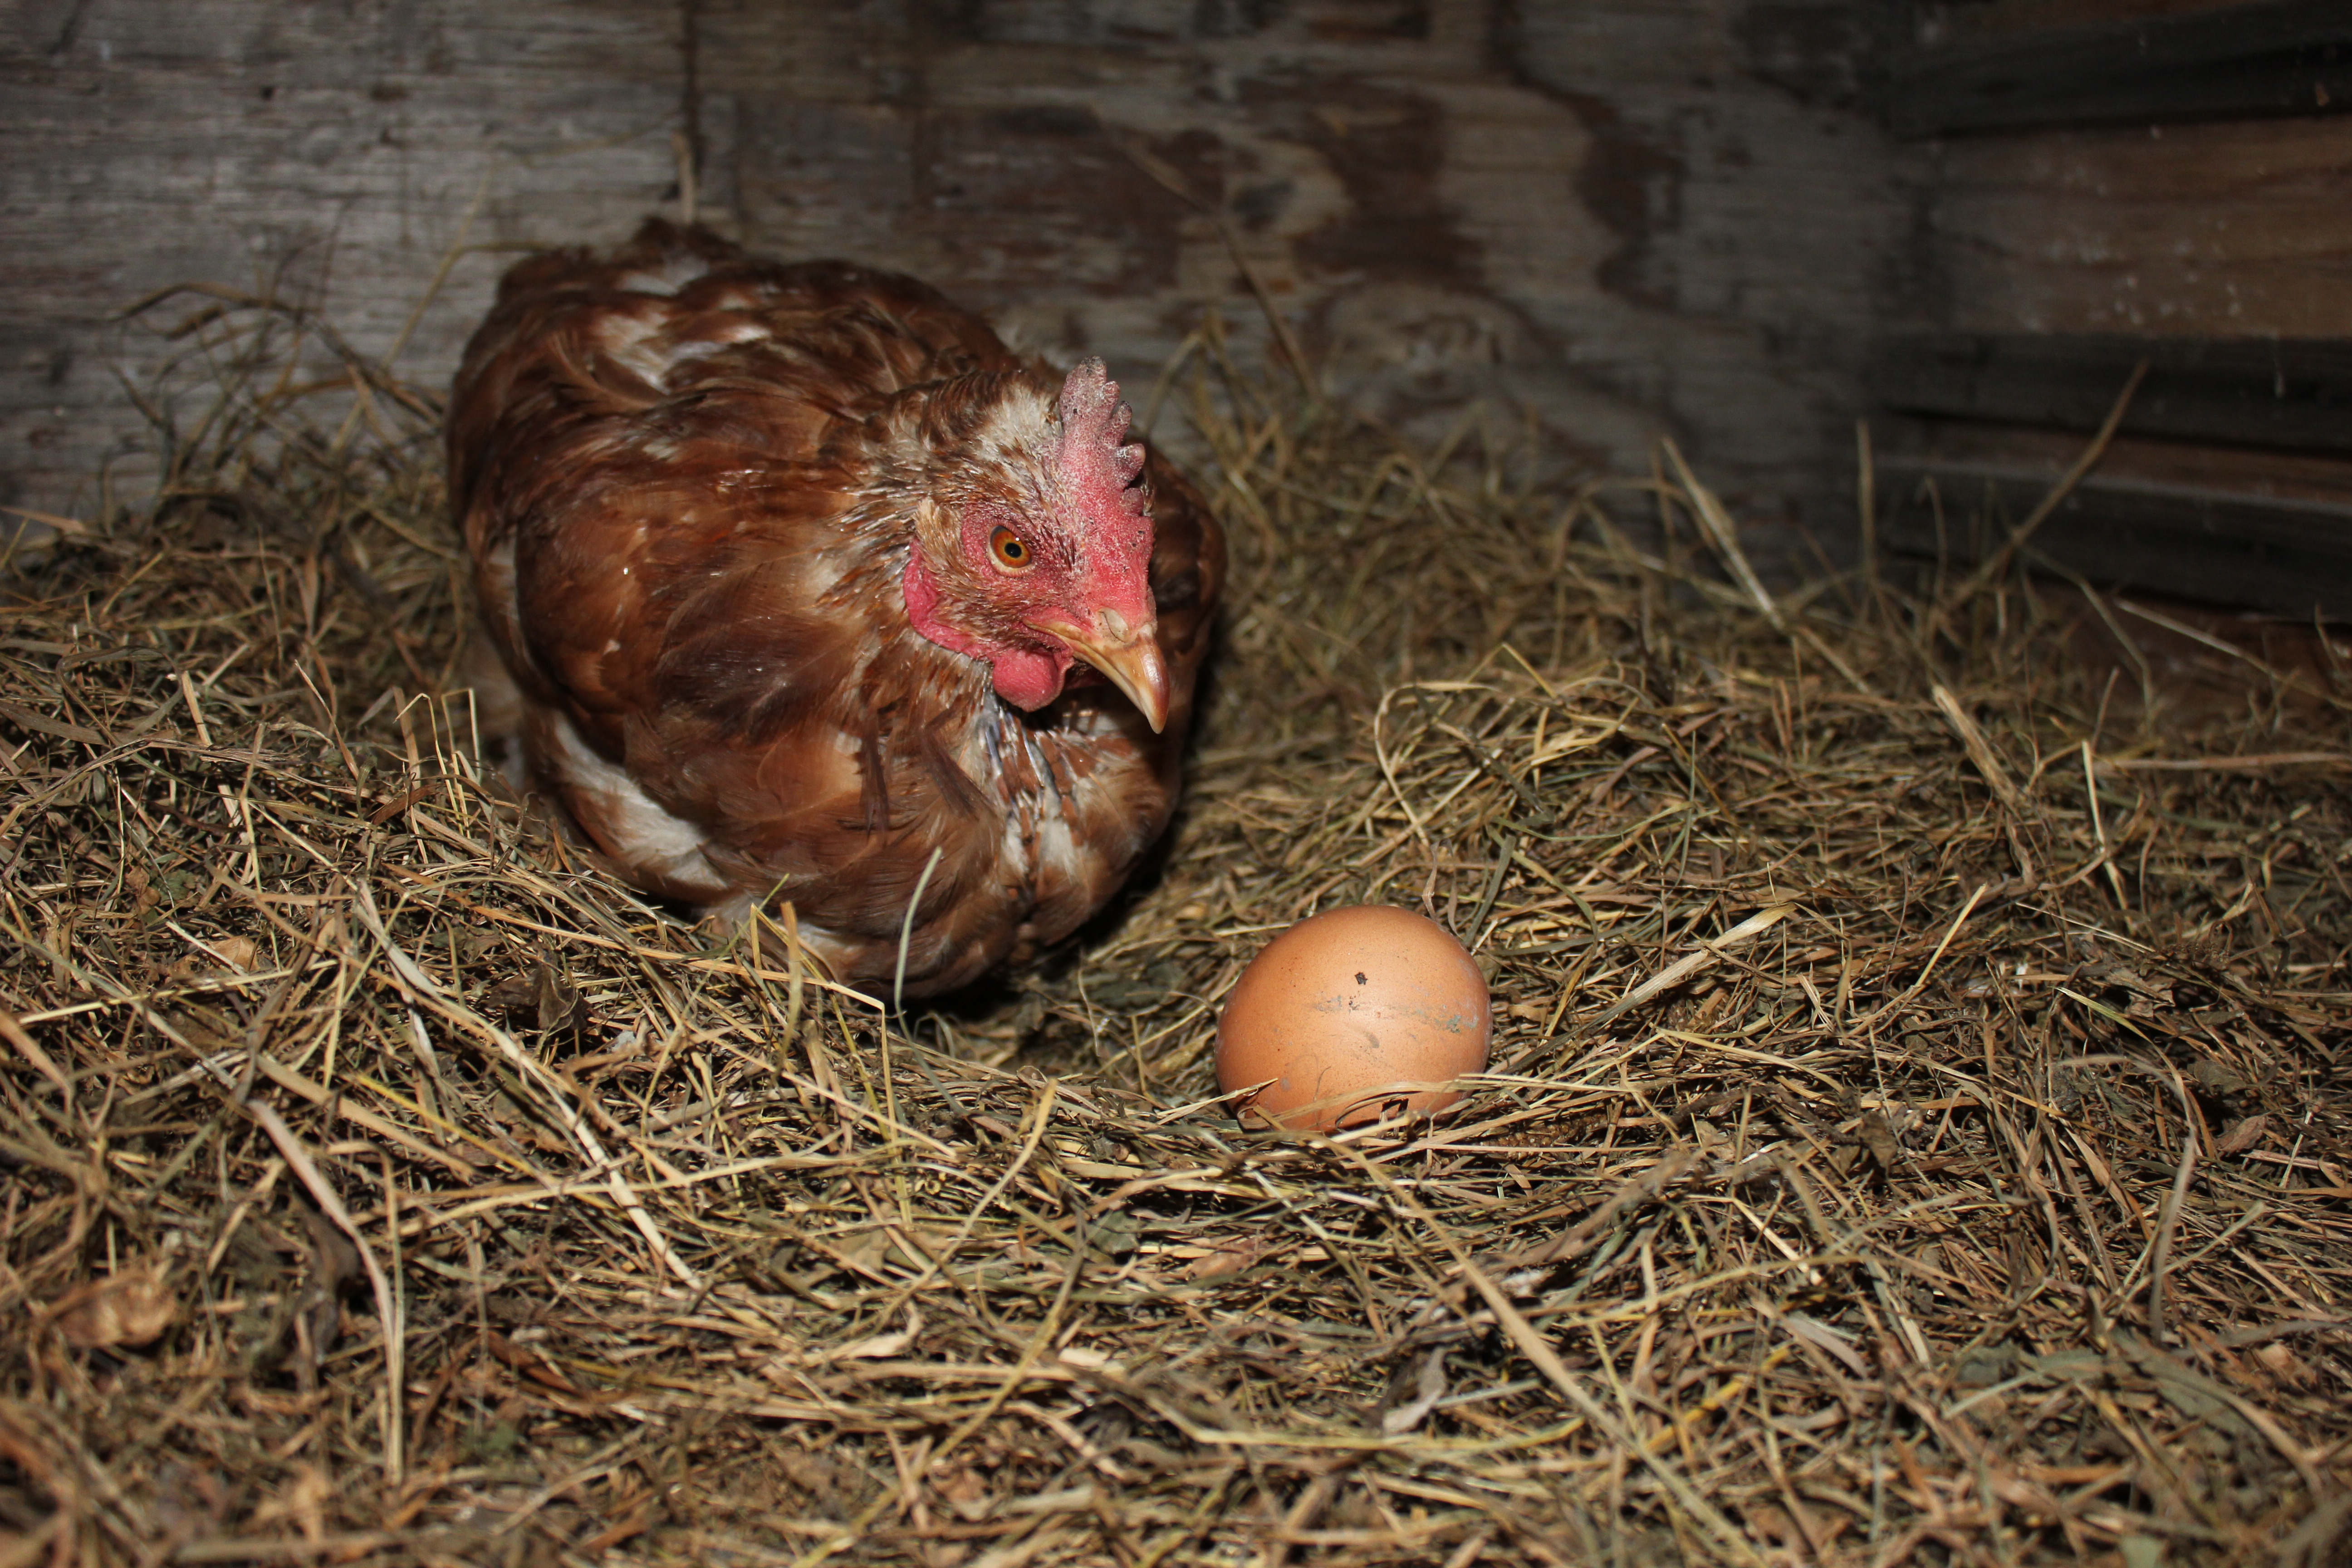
(1354, 1016)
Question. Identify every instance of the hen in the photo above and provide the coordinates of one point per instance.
(801, 581)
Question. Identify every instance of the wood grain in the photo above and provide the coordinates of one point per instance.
(2274, 57)
(2291, 393)
(2290, 558)
(1602, 217)
(2232, 229)
(328, 154)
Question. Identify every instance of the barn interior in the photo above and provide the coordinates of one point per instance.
(1744, 227)
(1846, 509)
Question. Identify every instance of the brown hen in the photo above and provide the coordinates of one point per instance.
(804, 582)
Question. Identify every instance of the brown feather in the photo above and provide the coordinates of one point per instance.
(689, 480)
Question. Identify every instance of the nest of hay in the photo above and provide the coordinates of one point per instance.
(1917, 1131)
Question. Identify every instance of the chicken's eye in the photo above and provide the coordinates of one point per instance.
(1011, 552)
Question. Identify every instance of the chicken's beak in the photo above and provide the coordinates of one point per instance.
(1129, 655)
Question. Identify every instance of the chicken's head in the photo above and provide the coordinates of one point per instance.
(1036, 553)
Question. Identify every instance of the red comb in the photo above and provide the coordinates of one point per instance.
(1096, 471)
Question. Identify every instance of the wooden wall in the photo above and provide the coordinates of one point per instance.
(1620, 218)
(2192, 216)
(326, 151)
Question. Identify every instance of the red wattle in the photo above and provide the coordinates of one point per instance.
(1026, 677)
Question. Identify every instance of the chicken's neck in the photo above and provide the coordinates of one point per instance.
(1026, 677)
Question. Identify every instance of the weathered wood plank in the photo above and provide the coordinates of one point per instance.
(2280, 57)
(1600, 217)
(2235, 229)
(1743, 239)
(328, 153)
(2289, 557)
(1997, 18)
(2291, 393)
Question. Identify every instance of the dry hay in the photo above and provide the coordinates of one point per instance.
(1917, 1130)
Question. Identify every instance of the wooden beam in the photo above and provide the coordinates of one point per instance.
(2290, 558)
(2280, 57)
(2287, 393)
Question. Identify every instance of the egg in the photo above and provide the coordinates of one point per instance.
(1354, 1016)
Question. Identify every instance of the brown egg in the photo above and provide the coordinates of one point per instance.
(1354, 1016)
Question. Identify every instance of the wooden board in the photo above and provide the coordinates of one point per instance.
(2219, 230)
(2287, 393)
(2292, 558)
(329, 156)
(2319, 476)
(2278, 56)
(1936, 23)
